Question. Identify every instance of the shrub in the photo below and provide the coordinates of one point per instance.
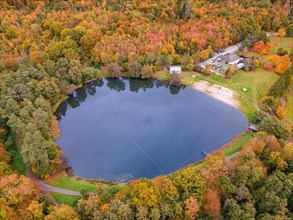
(281, 51)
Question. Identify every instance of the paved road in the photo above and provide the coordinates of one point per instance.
(58, 190)
(232, 49)
(48, 188)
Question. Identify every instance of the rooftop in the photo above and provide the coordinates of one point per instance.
(229, 57)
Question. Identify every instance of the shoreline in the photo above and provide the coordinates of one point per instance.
(218, 92)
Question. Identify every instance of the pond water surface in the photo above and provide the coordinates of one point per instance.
(122, 129)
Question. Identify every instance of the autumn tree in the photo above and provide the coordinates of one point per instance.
(258, 46)
(175, 79)
(114, 70)
(135, 69)
(63, 212)
(191, 208)
(20, 201)
(145, 194)
(212, 203)
(146, 71)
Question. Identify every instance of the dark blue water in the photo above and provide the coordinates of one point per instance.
(118, 129)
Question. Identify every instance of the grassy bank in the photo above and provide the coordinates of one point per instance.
(237, 146)
(65, 199)
(66, 182)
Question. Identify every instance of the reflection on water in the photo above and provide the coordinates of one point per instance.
(115, 84)
(122, 129)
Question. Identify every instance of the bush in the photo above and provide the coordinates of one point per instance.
(281, 51)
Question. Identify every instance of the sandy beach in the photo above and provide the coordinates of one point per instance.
(219, 92)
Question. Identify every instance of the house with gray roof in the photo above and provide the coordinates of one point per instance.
(231, 59)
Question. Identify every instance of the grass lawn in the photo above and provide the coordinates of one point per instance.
(65, 199)
(286, 43)
(161, 75)
(238, 146)
(65, 182)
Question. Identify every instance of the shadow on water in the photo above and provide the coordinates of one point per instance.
(114, 84)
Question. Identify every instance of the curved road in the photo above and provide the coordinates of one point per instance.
(47, 188)
(58, 190)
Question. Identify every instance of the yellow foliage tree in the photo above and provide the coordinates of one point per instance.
(274, 59)
(145, 193)
(281, 112)
(288, 152)
(64, 212)
(282, 32)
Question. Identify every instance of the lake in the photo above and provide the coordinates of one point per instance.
(123, 129)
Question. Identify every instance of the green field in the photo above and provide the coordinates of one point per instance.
(286, 43)
(238, 146)
(72, 184)
(65, 199)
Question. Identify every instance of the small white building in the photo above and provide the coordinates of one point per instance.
(240, 65)
(175, 69)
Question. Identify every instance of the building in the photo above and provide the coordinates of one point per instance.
(252, 128)
(231, 59)
(240, 65)
(175, 69)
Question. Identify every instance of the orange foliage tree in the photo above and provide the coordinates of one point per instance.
(268, 66)
(258, 46)
(283, 65)
(274, 59)
(191, 207)
(281, 112)
(212, 204)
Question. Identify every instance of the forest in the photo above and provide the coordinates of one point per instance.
(50, 48)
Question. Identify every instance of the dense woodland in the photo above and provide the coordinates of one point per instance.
(49, 48)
